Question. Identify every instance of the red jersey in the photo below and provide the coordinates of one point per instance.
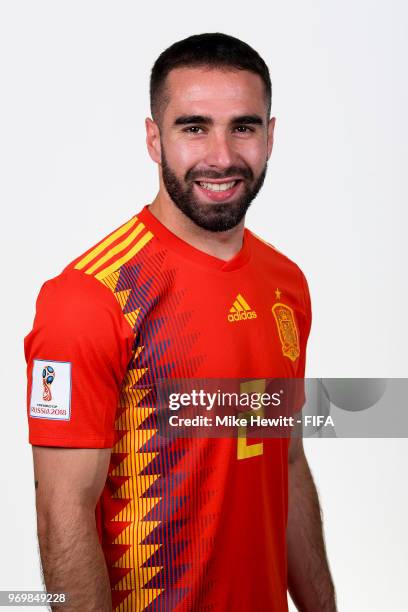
(185, 524)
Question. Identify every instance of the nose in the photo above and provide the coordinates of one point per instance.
(220, 152)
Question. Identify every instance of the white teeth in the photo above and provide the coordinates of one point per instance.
(217, 186)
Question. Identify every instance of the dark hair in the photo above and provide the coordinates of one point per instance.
(213, 50)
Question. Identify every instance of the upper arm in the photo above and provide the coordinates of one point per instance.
(69, 476)
(82, 337)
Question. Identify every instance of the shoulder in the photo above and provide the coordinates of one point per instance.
(269, 258)
(72, 293)
(113, 251)
(270, 254)
(85, 295)
(75, 314)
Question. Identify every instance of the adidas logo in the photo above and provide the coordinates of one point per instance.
(240, 310)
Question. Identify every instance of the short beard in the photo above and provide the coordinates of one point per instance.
(212, 217)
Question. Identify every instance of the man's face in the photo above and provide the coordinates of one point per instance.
(215, 140)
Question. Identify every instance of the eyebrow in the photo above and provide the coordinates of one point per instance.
(248, 119)
(204, 120)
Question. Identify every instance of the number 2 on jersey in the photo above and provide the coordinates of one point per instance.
(245, 450)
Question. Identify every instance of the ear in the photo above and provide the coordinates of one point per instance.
(271, 128)
(153, 140)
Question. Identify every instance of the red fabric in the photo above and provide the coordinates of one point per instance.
(188, 524)
(78, 320)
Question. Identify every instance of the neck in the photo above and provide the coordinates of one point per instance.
(223, 245)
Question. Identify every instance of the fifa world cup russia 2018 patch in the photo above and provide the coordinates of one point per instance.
(51, 390)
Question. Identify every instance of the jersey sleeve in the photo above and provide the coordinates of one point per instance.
(305, 326)
(77, 354)
(304, 321)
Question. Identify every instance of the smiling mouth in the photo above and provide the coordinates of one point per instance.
(218, 186)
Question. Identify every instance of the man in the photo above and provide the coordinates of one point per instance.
(127, 518)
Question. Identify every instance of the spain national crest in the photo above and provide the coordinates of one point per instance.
(288, 333)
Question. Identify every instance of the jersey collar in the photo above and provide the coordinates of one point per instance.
(190, 252)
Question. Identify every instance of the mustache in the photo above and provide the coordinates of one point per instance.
(245, 173)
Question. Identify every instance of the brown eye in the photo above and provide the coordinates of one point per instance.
(193, 129)
(243, 129)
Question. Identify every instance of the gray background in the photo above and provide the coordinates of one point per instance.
(74, 80)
